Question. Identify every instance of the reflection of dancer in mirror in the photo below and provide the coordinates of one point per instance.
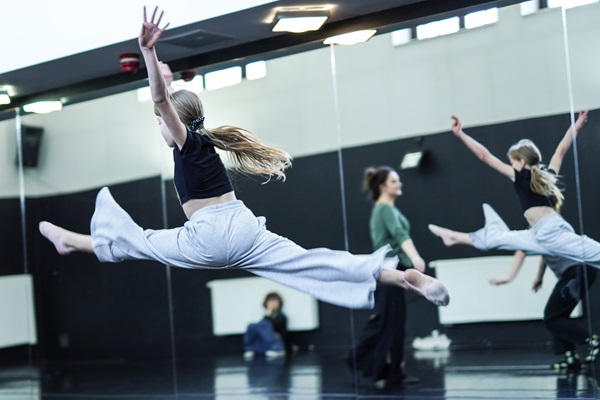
(221, 231)
(540, 200)
(572, 285)
(379, 352)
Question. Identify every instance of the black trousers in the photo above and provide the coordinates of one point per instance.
(383, 337)
(568, 333)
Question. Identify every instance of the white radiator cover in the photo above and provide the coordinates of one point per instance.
(17, 314)
(474, 299)
(237, 302)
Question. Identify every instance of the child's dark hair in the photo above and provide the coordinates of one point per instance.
(273, 295)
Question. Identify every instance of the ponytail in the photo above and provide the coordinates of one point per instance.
(373, 178)
(249, 154)
(544, 183)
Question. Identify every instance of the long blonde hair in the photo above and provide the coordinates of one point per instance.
(542, 181)
(249, 154)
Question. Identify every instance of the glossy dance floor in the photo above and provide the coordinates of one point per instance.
(483, 374)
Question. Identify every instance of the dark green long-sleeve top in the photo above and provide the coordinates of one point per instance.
(389, 225)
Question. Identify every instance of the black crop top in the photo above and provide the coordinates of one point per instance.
(527, 197)
(199, 171)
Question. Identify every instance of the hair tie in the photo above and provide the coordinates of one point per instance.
(197, 124)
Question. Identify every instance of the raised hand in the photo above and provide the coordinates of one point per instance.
(581, 119)
(456, 125)
(151, 31)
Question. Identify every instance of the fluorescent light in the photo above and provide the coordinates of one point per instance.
(351, 38)
(299, 24)
(4, 97)
(256, 70)
(43, 107)
(411, 160)
(222, 78)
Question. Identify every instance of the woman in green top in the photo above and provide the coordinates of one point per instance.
(380, 349)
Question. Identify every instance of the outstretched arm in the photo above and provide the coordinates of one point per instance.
(167, 75)
(481, 151)
(149, 36)
(517, 263)
(411, 251)
(402, 237)
(537, 283)
(567, 140)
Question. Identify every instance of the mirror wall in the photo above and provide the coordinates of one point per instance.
(505, 81)
(579, 31)
(98, 321)
(18, 330)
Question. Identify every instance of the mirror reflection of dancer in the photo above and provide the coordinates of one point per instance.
(572, 285)
(550, 235)
(221, 231)
(540, 200)
(379, 352)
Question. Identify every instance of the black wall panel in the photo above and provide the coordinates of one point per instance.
(91, 310)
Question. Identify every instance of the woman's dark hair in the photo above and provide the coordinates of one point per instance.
(273, 295)
(373, 178)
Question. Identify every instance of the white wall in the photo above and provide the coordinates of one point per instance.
(511, 70)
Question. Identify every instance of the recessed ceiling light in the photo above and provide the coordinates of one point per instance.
(298, 24)
(351, 38)
(4, 97)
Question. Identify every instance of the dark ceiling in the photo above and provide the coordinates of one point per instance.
(231, 39)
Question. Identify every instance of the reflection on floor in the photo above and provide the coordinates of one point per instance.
(482, 374)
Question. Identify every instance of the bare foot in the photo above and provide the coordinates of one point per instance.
(57, 236)
(427, 286)
(444, 234)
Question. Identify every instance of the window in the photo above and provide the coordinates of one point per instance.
(438, 28)
(481, 18)
(256, 70)
(530, 7)
(223, 78)
(569, 3)
(401, 37)
(196, 85)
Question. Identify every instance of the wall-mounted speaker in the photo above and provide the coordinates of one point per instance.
(31, 138)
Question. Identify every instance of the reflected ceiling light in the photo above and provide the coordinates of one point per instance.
(43, 107)
(300, 21)
(4, 97)
(351, 38)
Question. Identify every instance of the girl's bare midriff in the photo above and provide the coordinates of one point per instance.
(534, 215)
(193, 205)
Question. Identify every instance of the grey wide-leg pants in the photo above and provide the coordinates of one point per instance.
(552, 236)
(229, 236)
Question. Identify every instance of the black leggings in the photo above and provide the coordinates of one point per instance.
(571, 287)
(383, 335)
